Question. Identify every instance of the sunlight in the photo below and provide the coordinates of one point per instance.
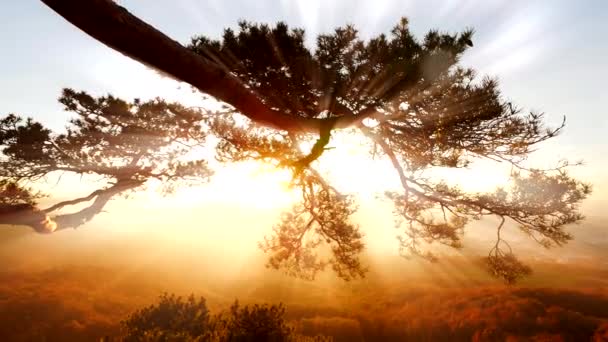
(348, 165)
(251, 184)
(483, 176)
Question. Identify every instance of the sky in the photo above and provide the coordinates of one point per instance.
(548, 55)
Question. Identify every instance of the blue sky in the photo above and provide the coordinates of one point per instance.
(549, 55)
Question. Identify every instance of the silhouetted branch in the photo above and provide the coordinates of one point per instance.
(73, 202)
(114, 26)
(74, 220)
(29, 215)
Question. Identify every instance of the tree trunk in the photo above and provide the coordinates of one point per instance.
(114, 26)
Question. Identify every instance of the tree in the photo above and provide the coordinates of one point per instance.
(408, 97)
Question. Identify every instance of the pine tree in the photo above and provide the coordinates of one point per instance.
(409, 97)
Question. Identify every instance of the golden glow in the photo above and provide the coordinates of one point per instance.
(350, 167)
(347, 164)
(482, 176)
(247, 184)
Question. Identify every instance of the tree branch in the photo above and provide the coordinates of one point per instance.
(28, 215)
(114, 26)
(25, 215)
(73, 202)
(317, 149)
(79, 218)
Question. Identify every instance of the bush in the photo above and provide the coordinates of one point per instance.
(189, 320)
(172, 319)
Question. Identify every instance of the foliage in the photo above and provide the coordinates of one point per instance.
(13, 194)
(68, 306)
(343, 74)
(123, 144)
(15, 201)
(171, 319)
(419, 109)
(108, 137)
(176, 319)
(253, 323)
(506, 314)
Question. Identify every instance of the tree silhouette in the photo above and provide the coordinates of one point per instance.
(409, 99)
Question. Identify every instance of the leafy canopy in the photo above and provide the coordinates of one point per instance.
(418, 108)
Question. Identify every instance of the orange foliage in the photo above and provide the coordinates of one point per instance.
(76, 304)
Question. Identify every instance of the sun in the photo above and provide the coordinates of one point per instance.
(348, 164)
(246, 184)
(351, 166)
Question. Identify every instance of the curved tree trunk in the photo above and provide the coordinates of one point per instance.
(114, 26)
